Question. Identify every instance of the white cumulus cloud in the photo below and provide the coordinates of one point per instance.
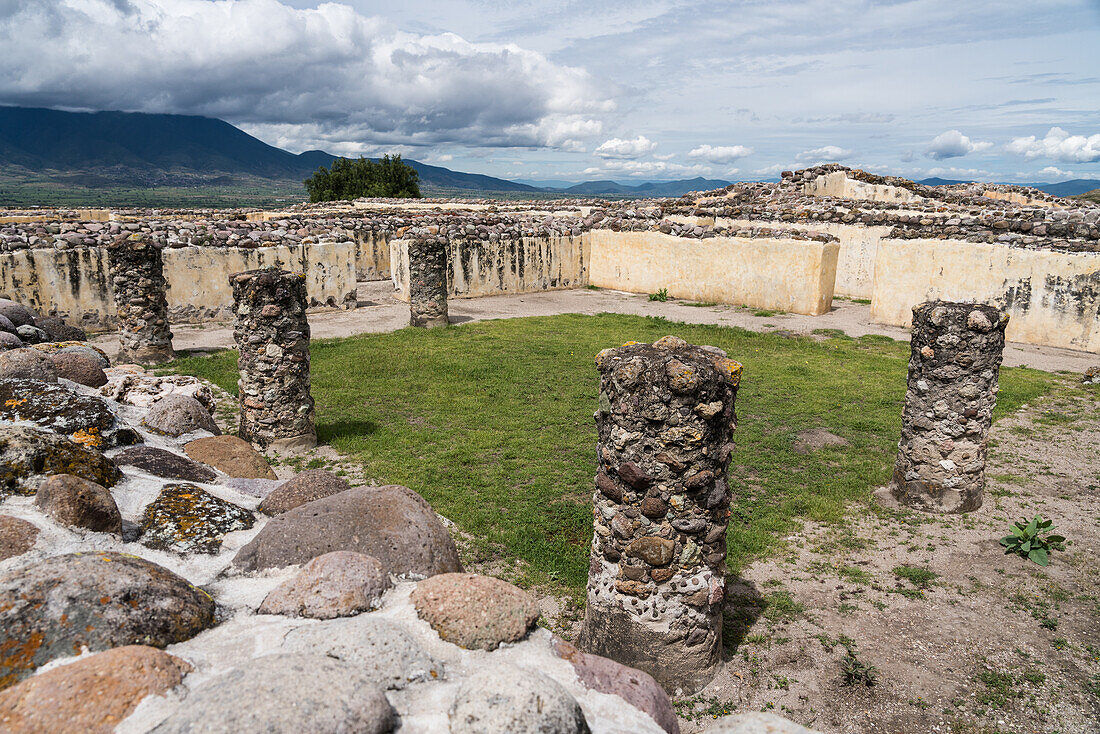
(827, 153)
(619, 148)
(1059, 145)
(312, 76)
(953, 144)
(720, 154)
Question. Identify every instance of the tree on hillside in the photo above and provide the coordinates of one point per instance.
(351, 179)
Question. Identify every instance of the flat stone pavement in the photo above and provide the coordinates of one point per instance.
(380, 312)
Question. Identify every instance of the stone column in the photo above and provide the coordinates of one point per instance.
(272, 334)
(657, 572)
(141, 300)
(428, 281)
(953, 365)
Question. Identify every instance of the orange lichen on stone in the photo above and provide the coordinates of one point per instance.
(730, 370)
(88, 437)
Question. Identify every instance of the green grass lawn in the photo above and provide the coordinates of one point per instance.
(492, 423)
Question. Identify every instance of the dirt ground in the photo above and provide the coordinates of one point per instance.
(379, 311)
(953, 635)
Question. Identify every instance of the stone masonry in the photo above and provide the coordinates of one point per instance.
(953, 367)
(428, 281)
(272, 334)
(657, 572)
(141, 300)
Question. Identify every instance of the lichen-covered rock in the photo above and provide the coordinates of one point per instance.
(17, 313)
(28, 454)
(81, 368)
(475, 612)
(338, 584)
(58, 606)
(634, 686)
(92, 695)
(27, 364)
(313, 484)
(17, 536)
(134, 386)
(283, 694)
(230, 455)
(391, 523)
(58, 331)
(31, 334)
(78, 503)
(187, 519)
(504, 698)
(81, 418)
(175, 415)
(164, 463)
(383, 650)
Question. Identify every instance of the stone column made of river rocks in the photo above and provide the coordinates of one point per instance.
(272, 334)
(657, 571)
(953, 365)
(141, 300)
(428, 281)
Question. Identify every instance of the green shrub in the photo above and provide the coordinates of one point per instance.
(1027, 540)
(351, 179)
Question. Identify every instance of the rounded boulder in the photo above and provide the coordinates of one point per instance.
(391, 523)
(475, 612)
(285, 693)
(27, 364)
(58, 331)
(231, 455)
(175, 415)
(17, 536)
(516, 700)
(79, 503)
(164, 463)
(91, 695)
(95, 600)
(81, 368)
(17, 313)
(310, 485)
(338, 584)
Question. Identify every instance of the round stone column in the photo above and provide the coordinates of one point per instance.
(272, 335)
(141, 300)
(428, 281)
(657, 571)
(953, 366)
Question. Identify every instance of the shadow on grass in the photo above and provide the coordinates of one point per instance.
(743, 606)
(330, 432)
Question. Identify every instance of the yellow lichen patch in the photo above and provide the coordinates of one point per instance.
(629, 344)
(88, 437)
(13, 402)
(730, 370)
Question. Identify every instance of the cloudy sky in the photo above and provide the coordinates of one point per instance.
(586, 89)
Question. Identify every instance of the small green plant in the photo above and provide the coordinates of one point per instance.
(856, 671)
(661, 295)
(916, 575)
(1028, 540)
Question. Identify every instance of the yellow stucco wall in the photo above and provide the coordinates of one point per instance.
(838, 185)
(1053, 298)
(74, 283)
(788, 275)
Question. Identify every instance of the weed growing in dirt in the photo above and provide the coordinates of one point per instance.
(702, 707)
(857, 672)
(661, 295)
(917, 576)
(1030, 539)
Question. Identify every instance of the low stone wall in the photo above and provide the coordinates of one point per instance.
(73, 284)
(1052, 297)
(788, 275)
(479, 267)
(839, 186)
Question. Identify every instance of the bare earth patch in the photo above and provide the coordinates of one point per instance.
(957, 636)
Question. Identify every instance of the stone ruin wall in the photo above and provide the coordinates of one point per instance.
(1029, 253)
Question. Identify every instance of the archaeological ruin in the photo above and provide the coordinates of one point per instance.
(141, 303)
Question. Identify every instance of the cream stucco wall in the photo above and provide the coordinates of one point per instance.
(839, 186)
(1053, 298)
(484, 268)
(787, 275)
(74, 283)
(372, 255)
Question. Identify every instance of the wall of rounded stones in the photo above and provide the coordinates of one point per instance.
(661, 507)
(952, 390)
(141, 302)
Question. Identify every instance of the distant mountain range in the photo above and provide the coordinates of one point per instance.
(1073, 187)
(106, 149)
(128, 148)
